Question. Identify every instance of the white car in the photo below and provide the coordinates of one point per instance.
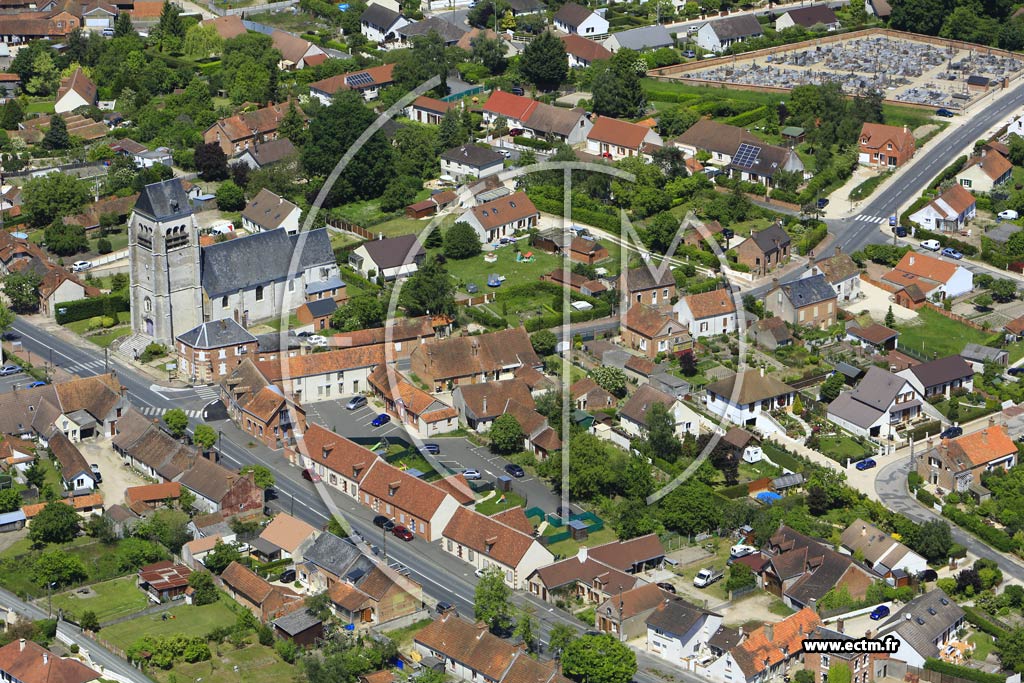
(317, 340)
(1009, 214)
(741, 550)
(931, 245)
(79, 266)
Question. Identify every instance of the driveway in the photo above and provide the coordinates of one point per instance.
(116, 476)
(875, 301)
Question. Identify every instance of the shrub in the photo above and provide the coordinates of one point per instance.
(103, 246)
(532, 142)
(748, 117)
(981, 621)
(926, 497)
(152, 352)
(83, 309)
(107, 322)
(914, 480)
(958, 671)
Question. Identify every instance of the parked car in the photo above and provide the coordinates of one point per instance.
(310, 475)
(928, 575)
(288, 576)
(381, 420)
(706, 577)
(564, 512)
(1009, 215)
(741, 550)
(728, 233)
(96, 472)
(952, 253)
(931, 245)
(690, 54)
(9, 370)
(952, 433)
(33, 385)
(1016, 371)
(355, 403)
(444, 607)
(880, 612)
(471, 474)
(383, 522)
(402, 533)
(822, 203)
(79, 266)
(866, 464)
(431, 448)
(507, 153)
(317, 340)
(901, 231)
(472, 288)
(944, 113)
(515, 470)
(668, 587)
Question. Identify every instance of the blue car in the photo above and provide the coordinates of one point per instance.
(952, 433)
(381, 420)
(866, 464)
(880, 612)
(952, 253)
(945, 113)
(33, 385)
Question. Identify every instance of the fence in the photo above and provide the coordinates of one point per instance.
(349, 227)
(251, 9)
(60, 167)
(935, 676)
(455, 97)
(809, 381)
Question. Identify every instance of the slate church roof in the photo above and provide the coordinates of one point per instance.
(164, 201)
(245, 262)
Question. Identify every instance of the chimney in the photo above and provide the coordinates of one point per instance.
(991, 421)
(907, 616)
(769, 632)
(481, 629)
(840, 626)
(762, 371)
(864, 530)
(21, 644)
(380, 235)
(775, 282)
(740, 633)
(581, 554)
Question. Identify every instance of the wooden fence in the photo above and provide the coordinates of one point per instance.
(350, 227)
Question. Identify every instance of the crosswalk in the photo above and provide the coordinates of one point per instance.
(206, 392)
(150, 411)
(85, 367)
(865, 218)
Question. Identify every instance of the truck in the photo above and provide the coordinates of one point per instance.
(706, 577)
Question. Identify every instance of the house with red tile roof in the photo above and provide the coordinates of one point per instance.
(486, 542)
(399, 336)
(467, 360)
(339, 462)
(707, 314)
(984, 172)
(936, 278)
(885, 146)
(428, 110)
(408, 500)
(625, 615)
(270, 416)
(768, 651)
(368, 82)
(615, 139)
(288, 536)
(58, 286)
(537, 119)
(801, 570)
(582, 51)
(315, 377)
(957, 464)
(244, 131)
(951, 211)
(296, 52)
(373, 597)
(265, 600)
(410, 404)
(29, 662)
(651, 331)
(502, 217)
(218, 489)
(152, 496)
(227, 27)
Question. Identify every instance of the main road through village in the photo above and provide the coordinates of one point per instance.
(444, 577)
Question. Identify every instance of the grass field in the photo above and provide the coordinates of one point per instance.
(840, 447)
(477, 270)
(197, 621)
(491, 505)
(112, 599)
(256, 664)
(16, 562)
(39, 108)
(936, 336)
(984, 645)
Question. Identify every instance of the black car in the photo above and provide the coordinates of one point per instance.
(928, 575)
(515, 470)
(444, 607)
(901, 231)
(952, 433)
(667, 587)
(823, 202)
(383, 522)
(1016, 371)
(564, 512)
(288, 576)
(727, 233)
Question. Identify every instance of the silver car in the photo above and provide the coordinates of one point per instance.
(471, 474)
(355, 403)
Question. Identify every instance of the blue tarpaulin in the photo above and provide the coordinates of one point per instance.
(768, 497)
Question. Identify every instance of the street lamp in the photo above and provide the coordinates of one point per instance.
(220, 447)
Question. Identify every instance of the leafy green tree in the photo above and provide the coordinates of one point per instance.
(544, 62)
(932, 540)
(416, 153)
(211, 162)
(362, 311)
(690, 509)
(599, 659)
(52, 196)
(676, 120)
(56, 523)
(400, 192)
(230, 197)
(35, 475)
(983, 301)
(223, 554)
(58, 567)
(1011, 649)
(610, 379)
(133, 553)
(65, 239)
(293, 126)
(617, 91)
(560, 637)
(176, 421)
(205, 436)
(660, 435)
(526, 628)
(426, 59)
(89, 621)
(804, 676)
(798, 405)
(202, 41)
(11, 114)
(451, 133)
(45, 75)
(123, 26)
(490, 52)
(430, 289)
(492, 601)
(1003, 290)
(839, 672)
(6, 320)
(544, 342)
(920, 16)
(740, 576)
(832, 387)
(262, 475)
(10, 500)
(506, 435)
(170, 30)
(461, 241)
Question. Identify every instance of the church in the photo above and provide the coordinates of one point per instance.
(177, 284)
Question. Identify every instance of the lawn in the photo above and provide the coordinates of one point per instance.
(840, 447)
(118, 240)
(181, 619)
(984, 645)
(778, 607)
(477, 270)
(492, 504)
(403, 636)
(108, 338)
(569, 547)
(936, 336)
(39, 107)
(252, 664)
(16, 562)
(81, 327)
(112, 599)
(413, 460)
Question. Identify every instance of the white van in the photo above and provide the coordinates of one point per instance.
(223, 228)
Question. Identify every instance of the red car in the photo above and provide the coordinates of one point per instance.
(310, 475)
(402, 533)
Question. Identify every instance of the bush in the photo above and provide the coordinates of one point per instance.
(926, 497)
(749, 117)
(980, 620)
(997, 538)
(811, 239)
(914, 480)
(103, 246)
(83, 309)
(152, 352)
(532, 142)
(968, 673)
(484, 317)
(927, 429)
(106, 322)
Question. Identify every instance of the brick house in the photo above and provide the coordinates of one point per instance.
(368, 599)
(651, 332)
(885, 146)
(265, 600)
(244, 131)
(339, 462)
(957, 464)
(210, 352)
(411, 502)
(810, 302)
(502, 217)
(588, 251)
(410, 404)
(271, 417)
(446, 363)
(504, 541)
(764, 251)
(316, 315)
(649, 285)
(218, 489)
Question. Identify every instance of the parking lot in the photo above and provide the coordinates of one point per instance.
(456, 454)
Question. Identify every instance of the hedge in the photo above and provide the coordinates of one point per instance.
(83, 309)
(734, 492)
(531, 142)
(811, 239)
(997, 538)
(932, 664)
(927, 429)
(924, 496)
(748, 117)
(949, 172)
(599, 219)
(982, 622)
(484, 317)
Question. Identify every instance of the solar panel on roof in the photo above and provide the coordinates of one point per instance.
(746, 155)
(360, 79)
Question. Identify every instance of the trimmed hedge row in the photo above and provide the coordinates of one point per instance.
(748, 117)
(484, 317)
(946, 241)
(599, 219)
(981, 621)
(997, 538)
(83, 309)
(932, 664)
(949, 172)
(532, 142)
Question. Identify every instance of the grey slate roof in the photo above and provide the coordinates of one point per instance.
(644, 38)
(394, 251)
(766, 238)
(301, 619)
(332, 554)
(272, 151)
(643, 278)
(809, 291)
(676, 617)
(740, 26)
(265, 257)
(165, 200)
(812, 14)
(321, 307)
(923, 628)
(520, 6)
(215, 334)
(473, 155)
(978, 352)
(378, 15)
(271, 342)
(878, 389)
(324, 285)
(941, 371)
(449, 32)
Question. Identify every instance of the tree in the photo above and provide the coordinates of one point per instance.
(362, 311)
(817, 501)
(690, 508)
(661, 433)
(490, 52)
(202, 41)
(610, 379)
(804, 676)
(1003, 290)
(890, 318)
(426, 59)
(55, 523)
(953, 410)
(133, 553)
(461, 241)
(560, 637)
(451, 133)
(740, 576)
(223, 554)
(526, 628)
(262, 475)
(617, 90)
(544, 342)
(832, 387)
(170, 30)
(798, 406)
(169, 527)
(89, 621)
(492, 601)
(506, 435)
(676, 120)
(932, 540)
(544, 61)
(10, 500)
(52, 196)
(206, 590)
(400, 192)
(57, 136)
(6, 320)
(65, 239)
(1011, 649)
(11, 114)
(176, 421)
(599, 659)
(839, 672)
(35, 475)
(293, 126)
(58, 567)
(430, 289)
(123, 26)
(983, 301)
(211, 162)
(205, 436)
(45, 75)
(230, 197)
(920, 16)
